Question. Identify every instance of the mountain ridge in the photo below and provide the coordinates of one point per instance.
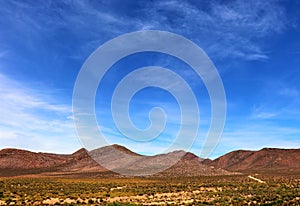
(114, 157)
(261, 161)
(17, 161)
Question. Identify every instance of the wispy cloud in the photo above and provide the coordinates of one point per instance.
(255, 136)
(29, 121)
(261, 112)
(234, 29)
(278, 102)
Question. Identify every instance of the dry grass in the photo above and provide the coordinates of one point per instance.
(220, 190)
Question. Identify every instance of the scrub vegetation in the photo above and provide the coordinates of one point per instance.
(217, 190)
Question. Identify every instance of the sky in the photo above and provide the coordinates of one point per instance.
(255, 46)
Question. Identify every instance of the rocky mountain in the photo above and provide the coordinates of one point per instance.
(79, 161)
(119, 159)
(21, 159)
(177, 163)
(192, 165)
(116, 158)
(265, 160)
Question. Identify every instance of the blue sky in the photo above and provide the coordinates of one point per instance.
(254, 45)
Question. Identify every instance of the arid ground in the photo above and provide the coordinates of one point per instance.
(213, 190)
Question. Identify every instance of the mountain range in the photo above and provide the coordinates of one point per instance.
(266, 160)
(119, 159)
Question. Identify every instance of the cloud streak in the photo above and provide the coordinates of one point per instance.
(232, 29)
(29, 120)
(255, 136)
(235, 29)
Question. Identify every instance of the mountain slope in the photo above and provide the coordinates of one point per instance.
(121, 160)
(115, 157)
(264, 160)
(80, 161)
(22, 159)
(177, 163)
(192, 165)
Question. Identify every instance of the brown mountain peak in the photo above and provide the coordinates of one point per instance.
(189, 156)
(80, 152)
(264, 160)
(13, 151)
(113, 148)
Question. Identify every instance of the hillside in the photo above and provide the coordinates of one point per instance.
(114, 157)
(264, 160)
(22, 159)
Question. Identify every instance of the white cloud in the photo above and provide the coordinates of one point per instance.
(255, 136)
(235, 29)
(261, 112)
(265, 115)
(29, 121)
(286, 106)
